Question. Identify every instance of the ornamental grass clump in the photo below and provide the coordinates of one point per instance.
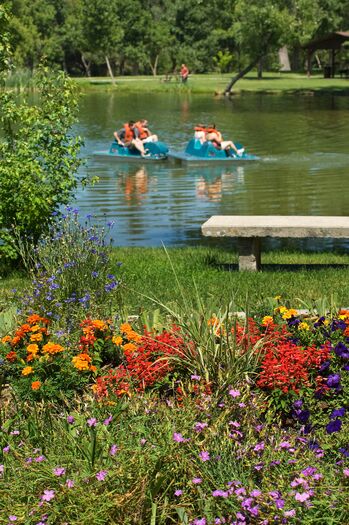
(71, 272)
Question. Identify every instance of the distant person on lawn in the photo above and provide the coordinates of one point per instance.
(184, 73)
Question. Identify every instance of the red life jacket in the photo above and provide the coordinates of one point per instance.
(143, 133)
(129, 133)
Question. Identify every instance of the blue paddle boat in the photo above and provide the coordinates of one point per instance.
(196, 151)
(155, 151)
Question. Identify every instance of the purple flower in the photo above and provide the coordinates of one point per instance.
(259, 447)
(40, 459)
(143, 441)
(177, 436)
(234, 393)
(279, 503)
(70, 420)
(333, 380)
(6, 449)
(204, 456)
(285, 444)
(12, 517)
(333, 426)
(2, 468)
(101, 475)
(59, 471)
(200, 521)
(309, 471)
(195, 377)
(178, 492)
(48, 495)
(290, 513)
(92, 422)
(342, 351)
(298, 404)
(302, 496)
(70, 483)
(339, 412)
(196, 481)
(199, 427)
(107, 421)
(113, 450)
(220, 493)
(346, 472)
(255, 493)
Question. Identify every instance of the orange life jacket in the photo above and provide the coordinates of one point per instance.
(200, 128)
(143, 133)
(211, 130)
(129, 133)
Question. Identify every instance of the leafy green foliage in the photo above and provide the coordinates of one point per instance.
(39, 157)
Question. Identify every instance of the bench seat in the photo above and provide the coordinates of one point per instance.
(249, 229)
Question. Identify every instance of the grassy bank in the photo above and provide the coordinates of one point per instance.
(212, 274)
(216, 83)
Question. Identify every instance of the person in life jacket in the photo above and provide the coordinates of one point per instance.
(215, 136)
(200, 133)
(143, 133)
(127, 137)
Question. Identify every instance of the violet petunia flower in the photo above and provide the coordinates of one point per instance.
(333, 426)
(333, 380)
(70, 483)
(196, 481)
(178, 492)
(338, 412)
(92, 422)
(70, 420)
(234, 393)
(113, 450)
(59, 471)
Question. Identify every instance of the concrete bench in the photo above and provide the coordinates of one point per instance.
(249, 229)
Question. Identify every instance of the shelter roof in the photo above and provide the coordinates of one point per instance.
(330, 41)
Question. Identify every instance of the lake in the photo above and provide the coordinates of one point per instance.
(304, 167)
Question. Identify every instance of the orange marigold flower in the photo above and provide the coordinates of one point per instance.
(117, 340)
(6, 339)
(36, 337)
(34, 318)
(93, 368)
(27, 370)
(36, 385)
(98, 324)
(82, 361)
(33, 348)
(133, 336)
(129, 347)
(16, 340)
(125, 327)
(52, 348)
(11, 356)
(267, 320)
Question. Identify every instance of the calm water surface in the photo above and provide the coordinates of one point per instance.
(303, 143)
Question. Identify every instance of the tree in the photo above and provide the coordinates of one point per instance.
(102, 30)
(38, 156)
(260, 26)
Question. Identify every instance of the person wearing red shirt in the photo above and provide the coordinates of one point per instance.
(184, 73)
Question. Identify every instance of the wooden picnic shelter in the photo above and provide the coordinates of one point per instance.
(333, 42)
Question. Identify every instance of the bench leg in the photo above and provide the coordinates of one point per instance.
(249, 253)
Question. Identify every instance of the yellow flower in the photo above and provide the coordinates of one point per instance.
(27, 370)
(277, 297)
(267, 320)
(133, 336)
(35, 328)
(303, 326)
(82, 361)
(289, 313)
(280, 309)
(117, 340)
(32, 349)
(36, 337)
(52, 348)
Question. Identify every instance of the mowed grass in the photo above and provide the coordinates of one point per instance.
(154, 275)
(216, 83)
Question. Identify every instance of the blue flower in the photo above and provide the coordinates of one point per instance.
(333, 426)
(339, 412)
(342, 351)
(333, 380)
(325, 366)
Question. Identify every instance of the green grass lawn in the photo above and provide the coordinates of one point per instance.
(212, 274)
(216, 83)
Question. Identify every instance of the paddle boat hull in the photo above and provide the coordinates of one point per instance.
(155, 151)
(207, 152)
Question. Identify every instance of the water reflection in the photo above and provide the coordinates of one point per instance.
(135, 184)
(212, 185)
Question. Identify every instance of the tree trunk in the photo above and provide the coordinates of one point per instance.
(260, 69)
(155, 66)
(241, 74)
(86, 64)
(110, 70)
